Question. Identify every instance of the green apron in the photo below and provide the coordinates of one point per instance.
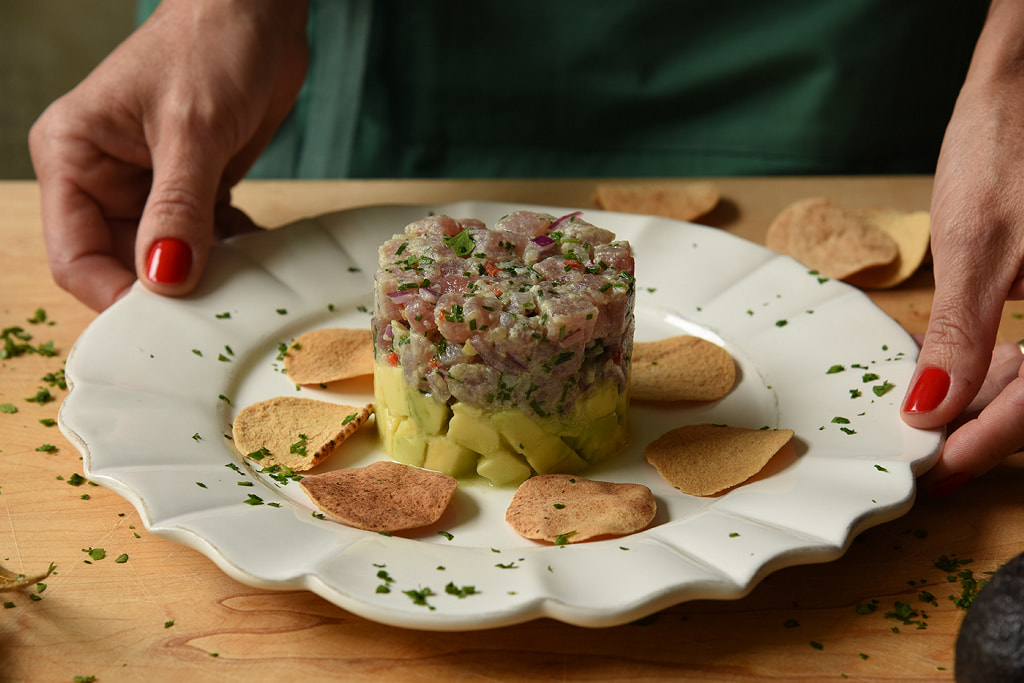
(592, 88)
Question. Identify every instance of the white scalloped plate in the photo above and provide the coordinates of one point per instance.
(156, 383)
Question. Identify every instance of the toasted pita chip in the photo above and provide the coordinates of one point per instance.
(563, 508)
(328, 355)
(385, 496)
(682, 368)
(683, 201)
(912, 233)
(827, 238)
(295, 432)
(705, 459)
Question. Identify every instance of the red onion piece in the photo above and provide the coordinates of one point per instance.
(559, 221)
(402, 297)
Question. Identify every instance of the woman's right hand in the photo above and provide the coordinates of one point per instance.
(135, 165)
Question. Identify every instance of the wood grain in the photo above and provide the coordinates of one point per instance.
(168, 613)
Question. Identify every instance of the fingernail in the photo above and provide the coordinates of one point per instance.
(169, 261)
(945, 487)
(926, 395)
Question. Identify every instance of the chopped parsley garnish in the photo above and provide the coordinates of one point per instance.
(56, 379)
(461, 243)
(563, 539)
(95, 553)
(15, 343)
(834, 369)
(882, 389)
(299, 447)
(454, 315)
(419, 597)
(866, 607)
(902, 611)
(459, 591)
(8, 408)
(42, 396)
(282, 474)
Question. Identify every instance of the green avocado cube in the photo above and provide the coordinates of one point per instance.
(542, 449)
(503, 468)
(449, 458)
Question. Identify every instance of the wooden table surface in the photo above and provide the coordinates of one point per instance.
(168, 613)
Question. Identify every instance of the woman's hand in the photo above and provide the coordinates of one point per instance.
(978, 249)
(135, 164)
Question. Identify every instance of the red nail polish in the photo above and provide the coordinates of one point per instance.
(169, 261)
(926, 395)
(945, 487)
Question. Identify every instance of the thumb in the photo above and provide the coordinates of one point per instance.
(957, 347)
(177, 224)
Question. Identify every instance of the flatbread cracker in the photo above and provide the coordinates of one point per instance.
(563, 508)
(293, 432)
(829, 239)
(705, 459)
(683, 201)
(329, 354)
(681, 368)
(385, 496)
(912, 233)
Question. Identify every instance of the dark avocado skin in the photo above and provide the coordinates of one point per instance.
(990, 647)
